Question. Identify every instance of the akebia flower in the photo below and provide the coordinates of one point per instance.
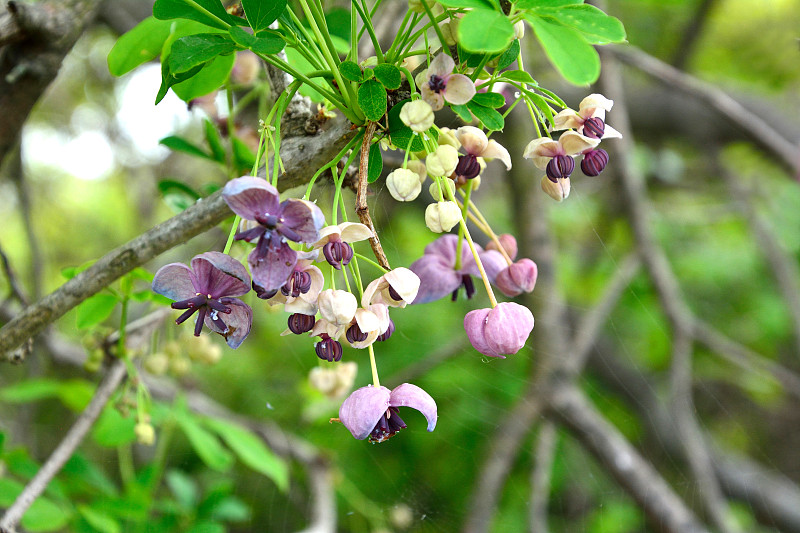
(404, 184)
(500, 331)
(272, 260)
(557, 190)
(589, 119)
(417, 115)
(373, 411)
(437, 273)
(438, 83)
(335, 242)
(300, 291)
(442, 216)
(508, 242)
(516, 278)
(476, 144)
(396, 288)
(209, 289)
(544, 151)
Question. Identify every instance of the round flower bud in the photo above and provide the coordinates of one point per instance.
(500, 331)
(323, 379)
(442, 216)
(145, 434)
(519, 29)
(212, 355)
(156, 363)
(436, 192)
(508, 242)
(417, 115)
(418, 166)
(594, 162)
(557, 191)
(403, 184)
(337, 307)
(560, 167)
(517, 278)
(180, 365)
(443, 161)
(416, 5)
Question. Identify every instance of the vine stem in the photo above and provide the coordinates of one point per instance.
(362, 209)
(375, 381)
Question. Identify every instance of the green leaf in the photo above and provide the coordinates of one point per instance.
(231, 509)
(71, 272)
(193, 50)
(76, 394)
(509, 56)
(338, 21)
(112, 429)
(375, 163)
(209, 12)
(140, 45)
(462, 111)
(99, 520)
(520, 76)
(388, 75)
(178, 196)
(536, 4)
(251, 450)
(243, 156)
(261, 13)
(490, 118)
(168, 80)
(372, 99)
(480, 4)
(214, 141)
(42, 515)
(594, 25)
(30, 390)
(2, 442)
(482, 30)
(241, 37)
(576, 60)
(83, 474)
(179, 144)
(95, 309)
(183, 488)
(401, 134)
(494, 100)
(211, 78)
(206, 526)
(204, 443)
(350, 71)
(268, 42)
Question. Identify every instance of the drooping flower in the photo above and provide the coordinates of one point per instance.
(404, 184)
(590, 118)
(367, 325)
(500, 331)
(333, 382)
(508, 242)
(518, 277)
(209, 289)
(335, 242)
(272, 260)
(594, 162)
(442, 216)
(438, 83)
(300, 292)
(396, 288)
(373, 411)
(555, 157)
(557, 190)
(337, 307)
(442, 161)
(476, 144)
(417, 115)
(437, 273)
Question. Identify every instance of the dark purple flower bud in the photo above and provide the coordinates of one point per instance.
(560, 167)
(468, 166)
(594, 128)
(338, 253)
(300, 323)
(264, 294)
(500, 331)
(299, 283)
(437, 83)
(354, 334)
(328, 349)
(594, 162)
(388, 333)
(517, 278)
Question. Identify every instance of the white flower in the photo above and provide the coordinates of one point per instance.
(442, 216)
(403, 184)
(442, 161)
(417, 115)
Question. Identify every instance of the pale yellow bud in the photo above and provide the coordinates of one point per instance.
(436, 191)
(418, 166)
(442, 216)
(519, 29)
(443, 161)
(145, 433)
(557, 191)
(417, 115)
(172, 349)
(403, 184)
(448, 136)
(156, 363)
(180, 365)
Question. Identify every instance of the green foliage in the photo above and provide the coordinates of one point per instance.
(401, 134)
(261, 13)
(372, 99)
(575, 59)
(388, 75)
(485, 31)
(491, 119)
(197, 50)
(374, 163)
(208, 12)
(351, 71)
(204, 443)
(141, 44)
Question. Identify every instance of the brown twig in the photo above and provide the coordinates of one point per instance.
(544, 455)
(362, 209)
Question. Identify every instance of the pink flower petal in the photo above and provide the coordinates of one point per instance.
(408, 395)
(459, 89)
(248, 196)
(362, 410)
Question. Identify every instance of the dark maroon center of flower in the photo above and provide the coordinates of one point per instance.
(299, 323)
(560, 167)
(393, 294)
(389, 424)
(437, 83)
(299, 283)
(328, 349)
(468, 166)
(338, 253)
(262, 293)
(388, 333)
(354, 334)
(594, 128)
(594, 162)
(204, 305)
(270, 233)
(469, 287)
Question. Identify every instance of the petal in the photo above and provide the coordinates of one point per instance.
(445, 248)
(568, 118)
(472, 139)
(435, 100)
(595, 105)
(325, 235)
(437, 279)
(354, 232)
(404, 282)
(542, 150)
(174, 281)
(303, 217)
(493, 263)
(611, 133)
(495, 149)
(442, 65)
(337, 307)
(248, 196)
(474, 325)
(273, 271)
(408, 395)
(558, 191)
(300, 305)
(459, 89)
(574, 143)
(362, 410)
(507, 327)
(220, 275)
(238, 321)
(517, 278)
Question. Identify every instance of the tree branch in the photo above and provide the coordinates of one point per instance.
(362, 208)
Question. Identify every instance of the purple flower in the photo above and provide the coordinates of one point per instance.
(437, 273)
(208, 288)
(372, 411)
(272, 261)
(516, 278)
(499, 331)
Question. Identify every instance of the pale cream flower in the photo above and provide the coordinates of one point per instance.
(417, 115)
(558, 190)
(442, 216)
(396, 288)
(442, 161)
(403, 184)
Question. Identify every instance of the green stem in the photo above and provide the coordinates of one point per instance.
(375, 381)
(460, 228)
(436, 27)
(479, 68)
(410, 79)
(125, 460)
(398, 37)
(368, 25)
(370, 261)
(353, 142)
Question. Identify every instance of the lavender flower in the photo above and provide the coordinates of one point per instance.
(500, 331)
(208, 289)
(272, 261)
(372, 411)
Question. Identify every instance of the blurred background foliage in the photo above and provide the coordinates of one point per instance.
(92, 166)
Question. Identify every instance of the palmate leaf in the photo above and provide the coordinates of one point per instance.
(595, 26)
(140, 45)
(209, 78)
(209, 12)
(372, 99)
(484, 30)
(576, 60)
(193, 50)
